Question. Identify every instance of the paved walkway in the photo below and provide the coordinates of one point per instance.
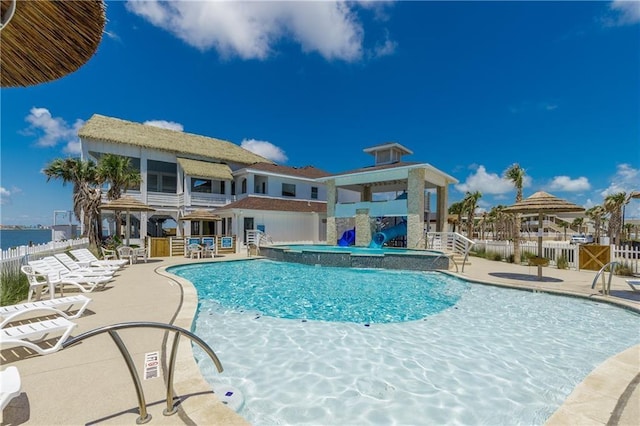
(89, 383)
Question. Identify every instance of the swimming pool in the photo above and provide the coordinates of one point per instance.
(495, 356)
(358, 257)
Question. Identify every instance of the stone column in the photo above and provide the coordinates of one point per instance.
(332, 199)
(363, 228)
(441, 209)
(415, 207)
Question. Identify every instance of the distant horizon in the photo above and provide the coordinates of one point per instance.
(470, 87)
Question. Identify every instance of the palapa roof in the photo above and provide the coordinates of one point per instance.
(45, 40)
(125, 203)
(276, 204)
(543, 202)
(115, 130)
(205, 169)
(201, 214)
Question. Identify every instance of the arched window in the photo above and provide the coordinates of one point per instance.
(243, 187)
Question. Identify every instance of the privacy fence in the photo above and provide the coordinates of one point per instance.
(578, 256)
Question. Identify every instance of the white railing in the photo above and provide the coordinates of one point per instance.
(13, 257)
(627, 256)
(210, 200)
(448, 241)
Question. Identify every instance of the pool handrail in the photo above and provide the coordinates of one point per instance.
(606, 288)
(144, 416)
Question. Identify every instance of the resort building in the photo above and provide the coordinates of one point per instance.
(182, 172)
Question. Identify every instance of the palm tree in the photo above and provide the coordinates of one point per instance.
(117, 171)
(516, 174)
(597, 216)
(86, 191)
(577, 223)
(613, 204)
(457, 209)
(470, 204)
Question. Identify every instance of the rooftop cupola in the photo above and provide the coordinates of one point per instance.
(388, 152)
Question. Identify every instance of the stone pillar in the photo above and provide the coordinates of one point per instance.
(441, 209)
(332, 199)
(363, 228)
(415, 207)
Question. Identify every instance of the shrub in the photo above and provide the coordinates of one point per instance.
(562, 262)
(496, 256)
(624, 270)
(511, 258)
(15, 286)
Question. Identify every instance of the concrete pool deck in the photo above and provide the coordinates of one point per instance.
(89, 382)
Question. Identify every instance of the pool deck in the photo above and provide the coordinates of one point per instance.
(89, 383)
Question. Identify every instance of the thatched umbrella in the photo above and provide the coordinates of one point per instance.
(127, 204)
(47, 39)
(541, 203)
(201, 215)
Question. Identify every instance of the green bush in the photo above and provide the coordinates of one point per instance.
(562, 262)
(624, 270)
(496, 256)
(15, 286)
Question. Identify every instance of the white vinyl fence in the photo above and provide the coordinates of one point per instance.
(552, 250)
(13, 258)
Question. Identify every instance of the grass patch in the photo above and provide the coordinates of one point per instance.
(15, 286)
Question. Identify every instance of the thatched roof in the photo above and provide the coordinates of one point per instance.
(543, 202)
(126, 203)
(201, 214)
(205, 169)
(115, 130)
(46, 40)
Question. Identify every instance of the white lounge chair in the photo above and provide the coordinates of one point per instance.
(74, 266)
(31, 334)
(10, 385)
(634, 284)
(58, 266)
(84, 255)
(84, 284)
(61, 306)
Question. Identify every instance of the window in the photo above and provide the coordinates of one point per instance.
(161, 177)
(314, 192)
(243, 186)
(288, 190)
(200, 185)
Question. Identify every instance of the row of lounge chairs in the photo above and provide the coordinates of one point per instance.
(85, 273)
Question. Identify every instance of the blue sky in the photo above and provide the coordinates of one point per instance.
(471, 88)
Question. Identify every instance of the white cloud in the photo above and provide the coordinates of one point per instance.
(626, 12)
(626, 179)
(171, 125)
(265, 149)
(251, 30)
(5, 195)
(53, 130)
(488, 183)
(565, 183)
(385, 49)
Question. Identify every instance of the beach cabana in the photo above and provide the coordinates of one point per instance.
(541, 203)
(127, 204)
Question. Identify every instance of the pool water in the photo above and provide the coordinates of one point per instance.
(496, 356)
(363, 296)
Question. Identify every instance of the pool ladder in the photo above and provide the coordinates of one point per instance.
(606, 287)
(112, 330)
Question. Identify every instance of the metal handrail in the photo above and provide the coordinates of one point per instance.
(144, 416)
(605, 290)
